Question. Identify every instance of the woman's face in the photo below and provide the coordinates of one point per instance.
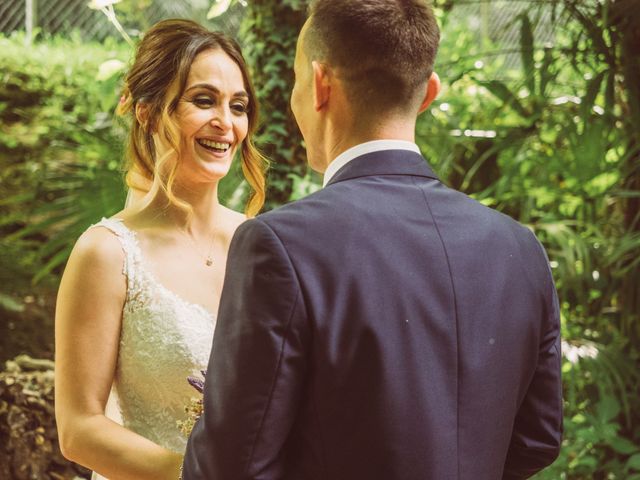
(212, 116)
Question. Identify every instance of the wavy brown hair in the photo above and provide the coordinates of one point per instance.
(157, 80)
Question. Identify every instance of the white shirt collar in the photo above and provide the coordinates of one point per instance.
(363, 148)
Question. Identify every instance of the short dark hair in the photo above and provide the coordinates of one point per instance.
(385, 49)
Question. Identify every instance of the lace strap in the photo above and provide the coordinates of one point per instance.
(130, 247)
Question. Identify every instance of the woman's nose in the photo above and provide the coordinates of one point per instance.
(222, 118)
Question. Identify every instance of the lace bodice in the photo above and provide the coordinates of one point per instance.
(163, 340)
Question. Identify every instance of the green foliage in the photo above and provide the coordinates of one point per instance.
(268, 34)
(598, 438)
(137, 16)
(134, 13)
(59, 149)
(304, 186)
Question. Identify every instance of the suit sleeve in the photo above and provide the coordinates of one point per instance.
(537, 432)
(257, 366)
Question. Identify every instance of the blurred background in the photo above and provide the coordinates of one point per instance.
(539, 118)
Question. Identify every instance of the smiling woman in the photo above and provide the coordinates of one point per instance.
(213, 115)
(137, 303)
(168, 72)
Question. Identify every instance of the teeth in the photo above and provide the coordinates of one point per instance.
(216, 145)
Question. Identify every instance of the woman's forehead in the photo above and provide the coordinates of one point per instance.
(217, 68)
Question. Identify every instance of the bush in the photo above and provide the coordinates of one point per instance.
(57, 138)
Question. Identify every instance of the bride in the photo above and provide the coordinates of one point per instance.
(137, 302)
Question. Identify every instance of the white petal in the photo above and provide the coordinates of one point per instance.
(100, 4)
(218, 8)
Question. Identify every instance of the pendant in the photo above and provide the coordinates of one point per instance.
(209, 262)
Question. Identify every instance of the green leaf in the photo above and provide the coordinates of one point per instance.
(17, 199)
(526, 47)
(624, 446)
(545, 71)
(57, 260)
(588, 461)
(500, 90)
(609, 94)
(634, 462)
(588, 100)
(8, 304)
(608, 408)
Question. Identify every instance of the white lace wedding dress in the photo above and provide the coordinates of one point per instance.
(163, 340)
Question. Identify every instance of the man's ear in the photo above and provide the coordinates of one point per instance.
(321, 85)
(433, 89)
(142, 115)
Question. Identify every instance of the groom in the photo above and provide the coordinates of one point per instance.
(386, 327)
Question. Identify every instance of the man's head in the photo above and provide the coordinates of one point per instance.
(376, 55)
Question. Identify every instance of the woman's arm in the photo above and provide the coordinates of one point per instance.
(88, 320)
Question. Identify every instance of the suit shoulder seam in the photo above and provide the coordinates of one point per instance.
(455, 310)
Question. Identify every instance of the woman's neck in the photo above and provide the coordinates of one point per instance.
(205, 209)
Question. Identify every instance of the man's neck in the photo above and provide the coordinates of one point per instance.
(340, 142)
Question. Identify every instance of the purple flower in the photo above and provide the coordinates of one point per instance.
(197, 383)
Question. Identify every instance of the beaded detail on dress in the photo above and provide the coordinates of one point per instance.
(163, 340)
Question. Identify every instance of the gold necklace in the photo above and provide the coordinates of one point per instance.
(208, 260)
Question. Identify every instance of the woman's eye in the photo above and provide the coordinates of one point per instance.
(203, 102)
(239, 108)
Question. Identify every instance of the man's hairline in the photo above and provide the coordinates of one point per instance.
(310, 52)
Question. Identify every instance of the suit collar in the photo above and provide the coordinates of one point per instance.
(387, 162)
(364, 148)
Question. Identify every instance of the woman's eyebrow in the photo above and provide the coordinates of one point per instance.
(208, 86)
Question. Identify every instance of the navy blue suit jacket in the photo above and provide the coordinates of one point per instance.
(384, 328)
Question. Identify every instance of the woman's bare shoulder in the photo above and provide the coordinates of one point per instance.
(97, 248)
(231, 220)
(94, 271)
